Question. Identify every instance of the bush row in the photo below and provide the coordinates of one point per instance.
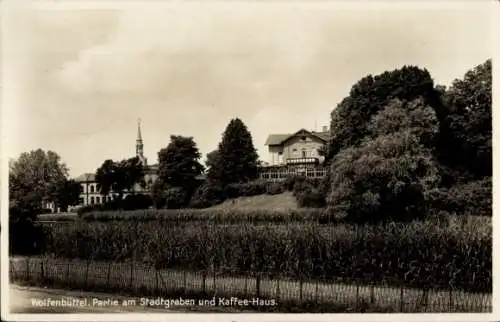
(310, 193)
(213, 215)
(419, 254)
(130, 202)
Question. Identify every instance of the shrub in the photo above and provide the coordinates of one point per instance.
(275, 188)
(176, 197)
(313, 198)
(137, 201)
(207, 195)
(471, 198)
(26, 237)
(236, 216)
(247, 189)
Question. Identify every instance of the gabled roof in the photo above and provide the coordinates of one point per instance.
(86, 177)
(278, 139)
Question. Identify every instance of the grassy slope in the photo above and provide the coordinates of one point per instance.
(282, 201)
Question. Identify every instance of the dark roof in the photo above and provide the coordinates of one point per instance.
(86, 177)
(278, 139)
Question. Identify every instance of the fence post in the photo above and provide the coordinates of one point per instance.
(108, 275)
(316, 293)
(87, 272)
(257, 284)
(27, 268)
(41, 270)
(357, 294)
(372, 293)
(215, 286)
(12, 271)
(278, 288)
(131, 283)
(301, 283)
(451, 300)
(157, 286)
(67, 273)
(204, 282)
(402, 306)
(425, 298)
(185, 283)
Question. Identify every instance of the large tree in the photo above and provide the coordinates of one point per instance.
(392, 172)
(466, 131)
(179, 164)
(34, 178)
(119, 176)
(350, 119)
(237, 159)
(68, 194)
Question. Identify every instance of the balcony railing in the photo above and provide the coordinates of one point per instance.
(309, 160)
(281, 173)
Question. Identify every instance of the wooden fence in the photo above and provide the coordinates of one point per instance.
(137, 276)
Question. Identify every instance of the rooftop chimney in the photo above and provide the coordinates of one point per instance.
(325, 128)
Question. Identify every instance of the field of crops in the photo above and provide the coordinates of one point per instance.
(453, 253)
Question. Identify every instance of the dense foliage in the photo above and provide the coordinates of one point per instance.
(465, 136)
(178, 169)
(422, 254)
(351, 117)
(402, 148)
(119, 176)
(34, 178)
(236, 160)
(68, 194)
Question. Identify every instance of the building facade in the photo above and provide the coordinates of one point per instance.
(295, 154)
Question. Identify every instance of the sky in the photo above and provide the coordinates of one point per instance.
(78, 77)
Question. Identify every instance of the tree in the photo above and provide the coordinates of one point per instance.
(130, 172)
(119, 176)
(35, 177)
(179, 166)
(391, 174)
(105, 176)
(68, 194)
(237, 159)
(385, 178)
(211, 159)
(466, 131)
(349, 120)
(415, 116)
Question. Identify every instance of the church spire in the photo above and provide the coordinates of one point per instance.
(139, 146)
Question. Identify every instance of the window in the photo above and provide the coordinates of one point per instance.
(80, 201)
(97, 199)
(91, 200)
(303, 138)
(81, 189)
(92, 188)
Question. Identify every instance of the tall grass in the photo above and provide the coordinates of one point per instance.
(434, 253)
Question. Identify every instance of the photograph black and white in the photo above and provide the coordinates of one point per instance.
(247, 157)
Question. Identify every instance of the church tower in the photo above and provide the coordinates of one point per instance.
(139, 146)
